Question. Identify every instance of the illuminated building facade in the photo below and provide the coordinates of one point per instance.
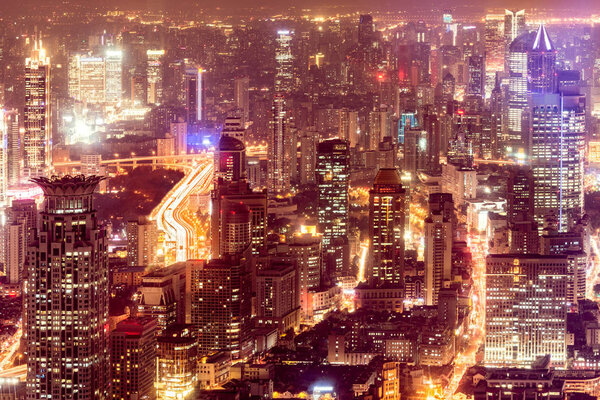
(177, 363)
(438, 254)
(194, 95)
(541, 62)
(221, 295)
(494, 49)
(133, 359)
(241, 96)
(14, 145)
(333, 177)
(387, 214)
(278, 171)
(517, 91)
(277, 300)
(526, 309)
(306, 249)
(230, 159)
(87, 78)
(37, 139)
(113, 63)
(154, 76)
(67, 295)
(514, 25)
(284, 76)
(556, 156)
(142, 239)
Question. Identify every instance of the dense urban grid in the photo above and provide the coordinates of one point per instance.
(320, 204)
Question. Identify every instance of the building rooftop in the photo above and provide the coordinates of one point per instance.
(542, 40)
(388, 176)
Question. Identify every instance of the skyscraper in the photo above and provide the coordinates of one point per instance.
(556, 157)
(194, 95)
(526, 309)
(142, 239)
(333, 181)
(113, 64)
(541, 63)
(494, 50)
(133, 359)
(387, 214)
(37, 139)
(67, 295)
(230, 159)
(177, 363)
(284, 76)
(14, 146)
(154, 76)
(514, 25)
(241, 96)
(517, 91)
(278, 148)
(438, 255)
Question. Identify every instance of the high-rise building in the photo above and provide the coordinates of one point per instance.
(14, 146)
(233, 126)
(37, 139)
(520, 194)
(142, 239)
(476, 83)
(514, 25)
(230, 159)
(438, 255)
(277, 297)
(494, 49)
(154, 76)
(526, 309)
(279, 173)
(366, 30)
(308, 157)
(179, 133)
(541, 63)
(517, 91)
(87, 78)
(194, 95)
(67, 295)
(220, 297)
(133, 359)
(387, 218)
(241, 96)
(15, 251)
(228, 229)
(284, 75)
(113, 64)
(306, 250)
(177, 363)
(556, 157)
(333, 181)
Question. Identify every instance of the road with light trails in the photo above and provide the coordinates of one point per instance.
(476, 330)
(592, 277)
(10, 352)
(168, 214)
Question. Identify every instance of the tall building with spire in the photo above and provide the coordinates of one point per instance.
(517, 90)
(541, 63)
(66, 299)
(37, 116)
(514, 24)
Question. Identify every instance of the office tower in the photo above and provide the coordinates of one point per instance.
(194, 87)
(366, 30)
(380, 124)
(113, 64)
(523, 321)
(541, 63)
(87, 76)
(230, 159)
(438, 255)
(138, 89)
(228, 197)
(308, 156)
(556, 156)
(494, 49)
(67, 295)
(14, 146)
(177, 363)
(277, 297)
(154, 76)
(221, 296)
(306, 250)
(142, 239)
(15, 252)
(476, 69)
(278, 148)
(332, 209)
(133, 359)
(284, 75)
(415, 150)
(5, 126)
(234, 127)
(37, 139)
(349, 129)
(179, 133)
(387, 215)
(517, 90)
(408, 120)
(241, 96)
(162, 296)
(520, 194)
(514, 25)
(24, 210)
(443, 203)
